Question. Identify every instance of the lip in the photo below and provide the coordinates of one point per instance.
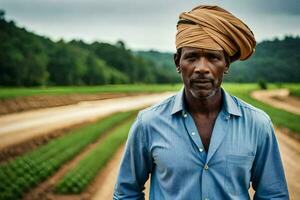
(202, 84)
(196, 81)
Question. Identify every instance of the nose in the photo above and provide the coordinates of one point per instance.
(202, 66)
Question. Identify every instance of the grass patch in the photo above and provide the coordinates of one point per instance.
(8, 93)
(294, 89)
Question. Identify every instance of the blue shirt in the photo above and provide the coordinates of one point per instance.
(164, 142)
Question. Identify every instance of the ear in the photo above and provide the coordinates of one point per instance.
(176, 58)
(226, 68)
(227, 59)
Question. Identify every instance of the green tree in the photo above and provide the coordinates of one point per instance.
(66, 65)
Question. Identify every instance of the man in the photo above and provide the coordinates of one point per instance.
(204, 143)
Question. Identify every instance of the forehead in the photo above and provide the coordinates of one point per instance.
(188, 50)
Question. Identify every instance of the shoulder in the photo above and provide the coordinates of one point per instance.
(253, 115)
(150, 117)
(161, 109)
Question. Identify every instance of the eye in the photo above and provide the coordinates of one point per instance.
(190, 58)
(213, 57)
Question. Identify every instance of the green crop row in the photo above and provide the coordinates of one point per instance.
(26, 171)
(76, 180)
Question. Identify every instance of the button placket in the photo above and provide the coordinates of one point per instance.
(206, 166)
(191, 130)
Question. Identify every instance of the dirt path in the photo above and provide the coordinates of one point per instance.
(18, 127)
(290, 152)
(109, 176)
(278, 98)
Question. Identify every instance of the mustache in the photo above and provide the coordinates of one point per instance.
(201, 80)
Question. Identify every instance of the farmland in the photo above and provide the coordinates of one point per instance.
(28, 171)
(8, 93)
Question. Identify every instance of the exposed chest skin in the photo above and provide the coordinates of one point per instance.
(205, 125)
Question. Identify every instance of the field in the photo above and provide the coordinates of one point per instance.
(7, 93)
(28, 170)
(92, 145)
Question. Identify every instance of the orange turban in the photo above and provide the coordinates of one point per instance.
(211, 27)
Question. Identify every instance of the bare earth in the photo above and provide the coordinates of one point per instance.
(19, 104)
(279, 99)
(18, 127)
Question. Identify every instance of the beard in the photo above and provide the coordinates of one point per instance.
(203, 88)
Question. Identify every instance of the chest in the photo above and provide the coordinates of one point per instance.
(175, 146)
(205, 128)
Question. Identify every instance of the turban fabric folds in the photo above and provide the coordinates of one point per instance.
(211, 27)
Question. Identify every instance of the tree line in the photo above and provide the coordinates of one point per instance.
(27, 59)
(273, 61)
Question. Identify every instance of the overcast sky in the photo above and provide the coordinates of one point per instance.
(143, 24)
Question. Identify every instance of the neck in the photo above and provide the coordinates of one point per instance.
(204, 106)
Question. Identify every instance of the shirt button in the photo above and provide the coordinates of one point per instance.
(193, 133)
(206, 167)
(200, 149)
(184, 115)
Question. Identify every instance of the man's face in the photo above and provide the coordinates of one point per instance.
(201, 71)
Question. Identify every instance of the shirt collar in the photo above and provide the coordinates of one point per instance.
(178, 102)
(229, 104)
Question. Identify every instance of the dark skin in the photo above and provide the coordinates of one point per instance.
(202, 73)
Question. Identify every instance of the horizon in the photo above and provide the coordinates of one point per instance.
(135, 22)
(126, 44)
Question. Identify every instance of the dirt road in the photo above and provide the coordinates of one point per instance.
(279, 99)
(109, 175)
(18, 127)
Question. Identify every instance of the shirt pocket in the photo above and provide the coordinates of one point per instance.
(238, 173)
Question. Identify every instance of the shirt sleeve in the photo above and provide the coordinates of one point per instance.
(268, 179)
(135, 165)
